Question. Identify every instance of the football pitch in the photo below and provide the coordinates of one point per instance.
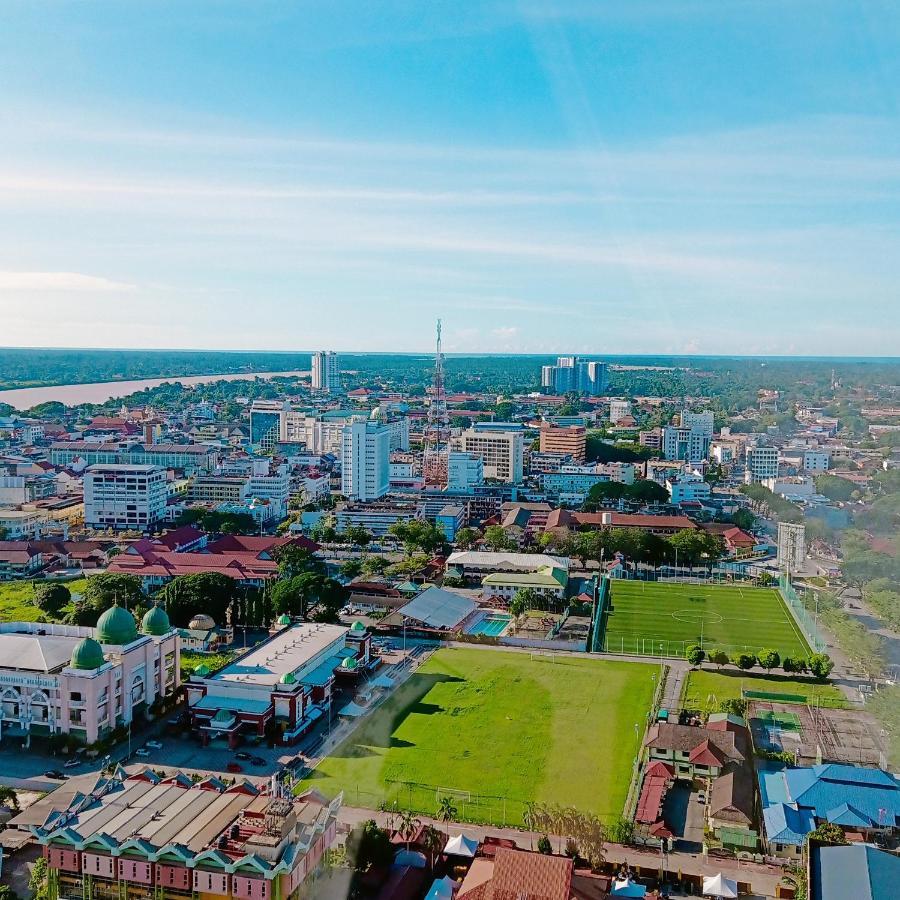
(663, 619)
(495, 730)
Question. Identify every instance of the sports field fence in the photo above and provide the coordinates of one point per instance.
(804, 620)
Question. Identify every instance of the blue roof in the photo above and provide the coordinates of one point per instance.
(851, 796)
(858, 870)
(322, 673)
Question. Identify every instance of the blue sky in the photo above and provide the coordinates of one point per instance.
(656, 176)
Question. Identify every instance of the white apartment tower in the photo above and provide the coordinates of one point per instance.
(326, 372)
(502, 452)
(124, 496)
(761, 464)
(365, 460)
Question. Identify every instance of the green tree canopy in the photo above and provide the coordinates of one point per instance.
(51, 597)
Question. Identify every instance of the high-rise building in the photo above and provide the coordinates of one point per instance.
(124, 496)
(365, 460)
(618, 409)
(791, 547)
(572, 375)
(501, 451)
(267, 422)
(689, 444)
(703, 421)
(761, 464)
(465, 471)
(571, 441)
(326, 372)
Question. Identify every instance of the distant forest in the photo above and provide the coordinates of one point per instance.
(733, 382)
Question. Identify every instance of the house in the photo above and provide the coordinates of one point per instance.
(661, 525)
(19, 559)
(697, 752)
(518, 874)
(859, 871)
(548, 581)
(864, 801)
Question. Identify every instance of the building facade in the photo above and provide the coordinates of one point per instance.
(124, 496)
(570, 441)
(365, 460)
(761, 464)
(791, 547)
(326, 371)
(573, 375)
(502, 452)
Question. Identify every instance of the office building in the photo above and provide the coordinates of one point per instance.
(69, 679)
(376, 517)
(816, 460)
(791, 547)
(704, 421)
(502, 451)
(572, 375)
(266, 417)
(122, 496)
(365, 460)
(619, 409)
(685, 487)
(187, 457)
(140, 834)
(326, 372)
(688, 444)
(464, 471)
(761, 464)
(571, 441)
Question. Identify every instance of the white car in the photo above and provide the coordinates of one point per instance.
(71, 763)
(154, 745)
(141, 752)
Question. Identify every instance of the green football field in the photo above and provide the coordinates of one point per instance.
(495, 730)
(662, 619)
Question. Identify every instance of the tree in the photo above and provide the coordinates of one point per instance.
(835, 488)
(374, 565)
(744, 661)
(37, 882)
(358, 536)
(518, 604)
(8, 797)
(497, 539)
(369, 845)
(718, 657)
(51, 598)
(543, 845)
(107, 588)
(294, 560)
(769, 659)
(351, 568)
(820, 664)
(466, 538)
(186, 596)
(788, 664)
(695, 655)
(433, 842)
(418, 535)
(310, 591)
(743, 519)
(827, 833)
(447, 812)
(408, 826)
(621, 830)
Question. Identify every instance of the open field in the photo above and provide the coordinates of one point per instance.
(15, 599)
(654, 619)
(495, 730)
(705, 688)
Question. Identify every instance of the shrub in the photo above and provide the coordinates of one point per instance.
(543, 845)
(820, 664)
(768, 659)
(718, 657)
(571, 848)
(744, 661)
(695, 655)
(788, 664)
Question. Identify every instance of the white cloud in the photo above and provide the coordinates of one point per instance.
(59, 281)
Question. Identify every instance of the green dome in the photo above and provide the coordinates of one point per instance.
(358, 627)
(202, 670)
(350, 663)
(88, 654)
(155, 621)
(116, 626)
(288, 678)
(284, 619)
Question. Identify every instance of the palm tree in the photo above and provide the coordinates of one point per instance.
(432, 841)
(447, 812)
(409, 825)
(9, 798)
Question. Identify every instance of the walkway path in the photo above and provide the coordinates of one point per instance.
(763, 878)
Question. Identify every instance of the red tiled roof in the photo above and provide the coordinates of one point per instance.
(706, 754)
(650, 801)
(561, 518)
(525, 874)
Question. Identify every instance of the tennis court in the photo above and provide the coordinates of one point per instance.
(663, 619)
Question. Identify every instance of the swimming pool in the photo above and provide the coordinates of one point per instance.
(492, 625)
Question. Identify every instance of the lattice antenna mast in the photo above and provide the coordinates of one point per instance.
(437, 432)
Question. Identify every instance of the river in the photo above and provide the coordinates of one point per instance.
(101, 391)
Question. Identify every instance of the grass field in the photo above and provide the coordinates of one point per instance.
(704, 689)
(15, 599)
(497, 729)
(653, 619)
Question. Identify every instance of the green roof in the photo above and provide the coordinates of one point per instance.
(548, 576)
(116, 626)
(155, 621)
(288, 678)
(88, 654)
(283, 619)
(349, 663)
(358, 627)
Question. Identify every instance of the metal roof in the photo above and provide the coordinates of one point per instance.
(437, 608)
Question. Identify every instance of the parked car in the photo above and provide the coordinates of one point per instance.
(154, 745)
(141, 751)
(243, 755)
(55, 773)
(701, 798)
(258, 761)
(71, 763)
(234, 767)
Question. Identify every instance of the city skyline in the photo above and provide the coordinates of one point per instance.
(551, 178)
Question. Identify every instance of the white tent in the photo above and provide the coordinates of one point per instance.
(719, 886)
(442, 889)
(460, 845)
(352, 709)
